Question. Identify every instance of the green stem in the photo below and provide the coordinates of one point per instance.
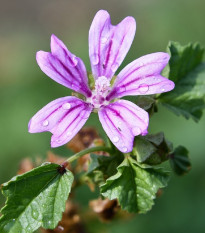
(87, 151)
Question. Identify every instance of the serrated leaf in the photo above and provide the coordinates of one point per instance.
(179, 161)
(36, 198)
(183, 59)
(188, 72)
(134, 187)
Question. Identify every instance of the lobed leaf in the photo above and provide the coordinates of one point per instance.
(36, 198)
(188, 72)
(134, 187)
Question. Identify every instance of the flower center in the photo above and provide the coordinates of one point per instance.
(102, 88)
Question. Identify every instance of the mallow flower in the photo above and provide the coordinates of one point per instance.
(122, 120)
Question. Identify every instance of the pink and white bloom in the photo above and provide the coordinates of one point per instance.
(122, 120)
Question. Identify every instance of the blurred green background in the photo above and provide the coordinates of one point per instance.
(26, 27)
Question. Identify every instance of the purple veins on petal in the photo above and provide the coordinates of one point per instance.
(142, 77)
(108, 44)
(63, 117)
(64, 67)
(122, 120)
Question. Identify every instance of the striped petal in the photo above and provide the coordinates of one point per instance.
(122, 121)
(64, 67)
(142, 77)
(63, 117)
(108, 44)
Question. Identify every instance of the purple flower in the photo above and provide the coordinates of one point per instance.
(122, 120)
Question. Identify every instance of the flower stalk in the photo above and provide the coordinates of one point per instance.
(87, 151)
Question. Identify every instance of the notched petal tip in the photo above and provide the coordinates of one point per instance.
(108, 43)
(142, 77)
(64, 67)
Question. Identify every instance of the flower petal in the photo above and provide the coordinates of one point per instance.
(108, 44)
(63, 117)
(64, 67)
(142, 77)
(122, 120)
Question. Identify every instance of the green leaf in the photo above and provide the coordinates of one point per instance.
(151, 149)
(101, 167)
(134, 187)
(36, 198)
(93, 163)
(188, 72)
(148, 103)
(183, 59)
(179, 161)
(107, 164)
(143, 149)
